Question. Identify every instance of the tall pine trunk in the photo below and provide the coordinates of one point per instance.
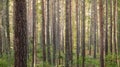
(34, 34)
(78, 30)
(7, 27)
(0, 41)
(54, 32)
(106, 30)
(1, 2)
(118, 31)
(101, 20)
(114, 20)
(94, 5)
(67, 33)
(83, 33)
(114, 32)
(48, 34)
(58, 30)
(70, 33)
(20, 33)
(43, 31)
(111, 26)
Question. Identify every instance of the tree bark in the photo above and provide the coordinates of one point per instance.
(7, 27)
(43, 32)
(34, 34)
(78, 30)
(106, 30)
(67, 33)
(54, 32)
(111, 26)
(71, 38)
(101, 21)
(20, 33)
(95, 16)
(114, 34)
(83, 33)
(118, 31)
(1, 2)
(114, 20)
(48, 34)
(58, 30)
(0, 41)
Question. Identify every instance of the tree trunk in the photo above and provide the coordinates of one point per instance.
(4, 27)
(91, 27)
(78, 30)
(34, 34)
(8, 25)
(20, 33)
(54, 32)
(48, 34)
(118, 31)
(101, 33)
(67, 33)
(106, 30)
(114, 34)
(58, 29)
(83, 33)
(71, 43)
(91, 36)
(7, 31)
(114, 20)
(94, 2)
(111, 27)
(43, 32)
(1, 2)
(0, 41)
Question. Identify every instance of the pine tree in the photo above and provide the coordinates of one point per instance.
(48, 34)
(1, 2)
(34, 34)
(78, 30)
(111, 2)
(101, 33)
(20, 33)
(54, 32)
(83, 33)
(106, 30)
(43, 32)
(95, 17)
(114, 20)
(67, 33)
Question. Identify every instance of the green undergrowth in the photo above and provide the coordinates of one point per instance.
(90, 61)
(6, 60)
